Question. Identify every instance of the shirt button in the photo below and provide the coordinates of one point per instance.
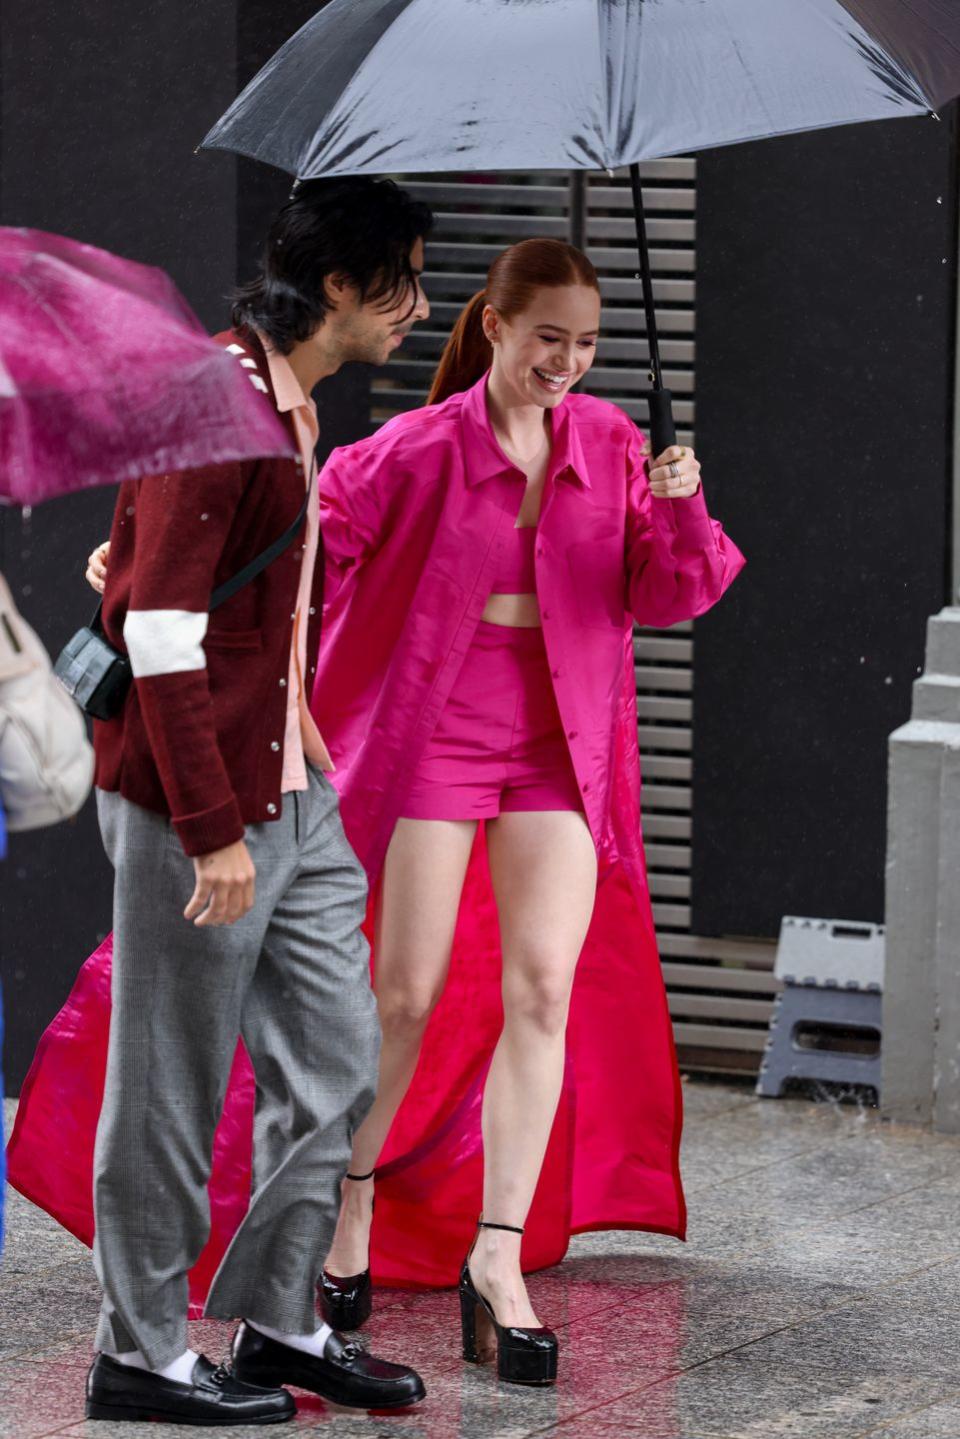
(271, 808)
(275, 745)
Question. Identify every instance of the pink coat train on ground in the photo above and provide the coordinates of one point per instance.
(413, 521)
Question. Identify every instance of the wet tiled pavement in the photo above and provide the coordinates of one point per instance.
(818, 1297)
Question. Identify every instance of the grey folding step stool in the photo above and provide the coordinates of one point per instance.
(826, 1024)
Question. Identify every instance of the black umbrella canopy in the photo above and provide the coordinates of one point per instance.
(369, 86)
(406, 86)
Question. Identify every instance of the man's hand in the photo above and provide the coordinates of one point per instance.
(225, 886)
(97, 567)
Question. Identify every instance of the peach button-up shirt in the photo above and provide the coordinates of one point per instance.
(302, 740)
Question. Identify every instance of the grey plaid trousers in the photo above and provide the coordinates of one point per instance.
(292, 977)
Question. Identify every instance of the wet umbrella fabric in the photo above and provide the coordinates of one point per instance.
(369, 86)
(107, 375)
(407, 86)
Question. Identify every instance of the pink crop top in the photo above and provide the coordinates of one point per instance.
(517, 575)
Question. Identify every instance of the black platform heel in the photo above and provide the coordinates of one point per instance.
(347, 1302)
(524, 1356)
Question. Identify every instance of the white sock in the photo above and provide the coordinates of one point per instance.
(180, 1371)
(307, 1343)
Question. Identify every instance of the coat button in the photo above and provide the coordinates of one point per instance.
(585, 786)
(312, 610)
(556, 674)
(571, 734)
(546, 614)
(275, 746)
(540, 549)
(271, 808)
(283, 684)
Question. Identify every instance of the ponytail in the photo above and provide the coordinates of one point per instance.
(466, 356)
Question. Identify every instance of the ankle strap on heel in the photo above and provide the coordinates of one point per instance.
(359, 1178)
(510, 1228)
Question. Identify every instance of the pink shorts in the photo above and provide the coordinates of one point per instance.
(499, 743)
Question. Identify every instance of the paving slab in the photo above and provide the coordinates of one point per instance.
(818, 1296)
(741, 1397)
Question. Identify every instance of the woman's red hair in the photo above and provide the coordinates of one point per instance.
(512, 281)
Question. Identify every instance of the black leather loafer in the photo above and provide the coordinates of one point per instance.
(346, 1374)
(214, 1396)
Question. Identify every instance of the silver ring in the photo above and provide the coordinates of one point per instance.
(674, 471)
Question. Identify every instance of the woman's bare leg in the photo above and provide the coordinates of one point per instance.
(422, 882)
(544, 870)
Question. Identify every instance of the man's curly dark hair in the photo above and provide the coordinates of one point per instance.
(357, 227)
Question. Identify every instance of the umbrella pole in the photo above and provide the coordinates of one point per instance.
(662, 431)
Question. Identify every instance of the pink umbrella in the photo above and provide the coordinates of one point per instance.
(107, 375)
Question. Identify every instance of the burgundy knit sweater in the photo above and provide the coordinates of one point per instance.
(200, 737)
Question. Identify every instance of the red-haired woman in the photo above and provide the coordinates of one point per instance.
(493, 550)
(487, 557)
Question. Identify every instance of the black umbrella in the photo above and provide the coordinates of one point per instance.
(369, 86)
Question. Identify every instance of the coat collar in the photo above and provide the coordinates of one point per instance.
(247, 349)
(485, 458)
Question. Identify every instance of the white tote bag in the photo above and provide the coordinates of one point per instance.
(46, 761)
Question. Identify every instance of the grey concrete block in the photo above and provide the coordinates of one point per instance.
(921, 1005)
(943, 642)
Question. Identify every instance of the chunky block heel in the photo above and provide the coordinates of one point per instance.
(524, 1356)
(468, 1326)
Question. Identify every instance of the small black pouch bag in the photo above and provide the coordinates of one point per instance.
(98, 677)
(93, 673)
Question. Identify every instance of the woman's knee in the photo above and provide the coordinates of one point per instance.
(406, 1009)
(538, 996)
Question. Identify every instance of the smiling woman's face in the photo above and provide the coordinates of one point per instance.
(540, 353)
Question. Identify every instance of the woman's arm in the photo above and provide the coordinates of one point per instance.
(678, 560)
(352, 510)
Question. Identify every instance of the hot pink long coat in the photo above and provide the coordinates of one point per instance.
(413, 522)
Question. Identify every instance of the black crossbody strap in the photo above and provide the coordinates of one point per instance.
(266, 557)
(249, 572)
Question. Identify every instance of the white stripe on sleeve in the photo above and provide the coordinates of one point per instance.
(165, 642)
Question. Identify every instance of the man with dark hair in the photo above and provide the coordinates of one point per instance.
(238, 901)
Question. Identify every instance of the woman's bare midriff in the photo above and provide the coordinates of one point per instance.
(517, 611)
